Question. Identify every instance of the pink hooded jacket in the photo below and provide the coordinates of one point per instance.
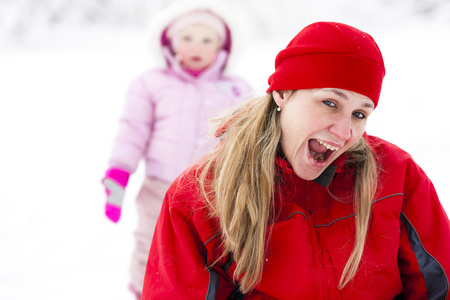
(165, 118)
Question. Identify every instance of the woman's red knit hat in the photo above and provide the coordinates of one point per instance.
(330, 55)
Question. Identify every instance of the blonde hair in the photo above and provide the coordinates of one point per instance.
(241, 191)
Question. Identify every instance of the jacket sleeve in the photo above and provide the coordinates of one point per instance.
(176, 267)
(424, 254)
(242, 89)
(134, 127)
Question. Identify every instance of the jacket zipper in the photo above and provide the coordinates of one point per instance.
(321, 275)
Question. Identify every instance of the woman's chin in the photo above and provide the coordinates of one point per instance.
(308, 172)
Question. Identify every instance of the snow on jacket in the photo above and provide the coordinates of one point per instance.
(406, 254)
(165, 118)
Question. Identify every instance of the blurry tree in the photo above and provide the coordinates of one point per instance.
(425, 8)
(23, 18)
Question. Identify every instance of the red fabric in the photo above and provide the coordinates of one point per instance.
(311, 239)
(330, 55)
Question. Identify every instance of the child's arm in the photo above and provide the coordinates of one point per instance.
(129, 146)
(135, 126)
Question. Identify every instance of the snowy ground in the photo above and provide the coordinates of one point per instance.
(59, 105)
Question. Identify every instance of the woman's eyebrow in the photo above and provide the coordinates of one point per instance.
(341, 94)
(338, 93)
(368, 105)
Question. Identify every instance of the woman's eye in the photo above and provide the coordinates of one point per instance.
(329, 103)
(359, 115)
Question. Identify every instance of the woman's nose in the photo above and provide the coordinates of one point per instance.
(342, 128)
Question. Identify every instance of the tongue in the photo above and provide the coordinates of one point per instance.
(316, 147)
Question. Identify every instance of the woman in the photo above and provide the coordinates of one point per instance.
(297, 202)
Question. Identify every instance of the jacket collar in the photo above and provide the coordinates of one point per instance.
(213, 72)
(324, 178)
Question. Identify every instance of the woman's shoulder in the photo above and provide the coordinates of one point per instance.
(398, 170)
(185, 192)
(394, 159)
(387, 150)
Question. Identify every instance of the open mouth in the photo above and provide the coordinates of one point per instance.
(320, 151)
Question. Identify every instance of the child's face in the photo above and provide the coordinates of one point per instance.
(197, 46)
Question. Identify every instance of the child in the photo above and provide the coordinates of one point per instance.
(165, 116)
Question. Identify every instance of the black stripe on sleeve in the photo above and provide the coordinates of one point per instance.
(436, 281)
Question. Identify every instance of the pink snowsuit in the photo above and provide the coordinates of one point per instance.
(165, 117)
(165, 122)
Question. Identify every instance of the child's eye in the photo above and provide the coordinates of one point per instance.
(186, 38)
(359, 115)
(329, 103)
(207, 41)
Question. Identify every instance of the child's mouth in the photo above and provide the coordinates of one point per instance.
(320, 151)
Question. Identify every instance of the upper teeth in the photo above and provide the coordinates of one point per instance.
(329, 147)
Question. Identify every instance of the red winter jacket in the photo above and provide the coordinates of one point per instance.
(407, 253)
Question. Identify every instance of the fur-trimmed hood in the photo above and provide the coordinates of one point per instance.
(157, 29)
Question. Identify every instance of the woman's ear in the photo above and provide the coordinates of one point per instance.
(280, 97)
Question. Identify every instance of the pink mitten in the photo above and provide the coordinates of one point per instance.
(115, 181)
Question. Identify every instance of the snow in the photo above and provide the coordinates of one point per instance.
(61, 98)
